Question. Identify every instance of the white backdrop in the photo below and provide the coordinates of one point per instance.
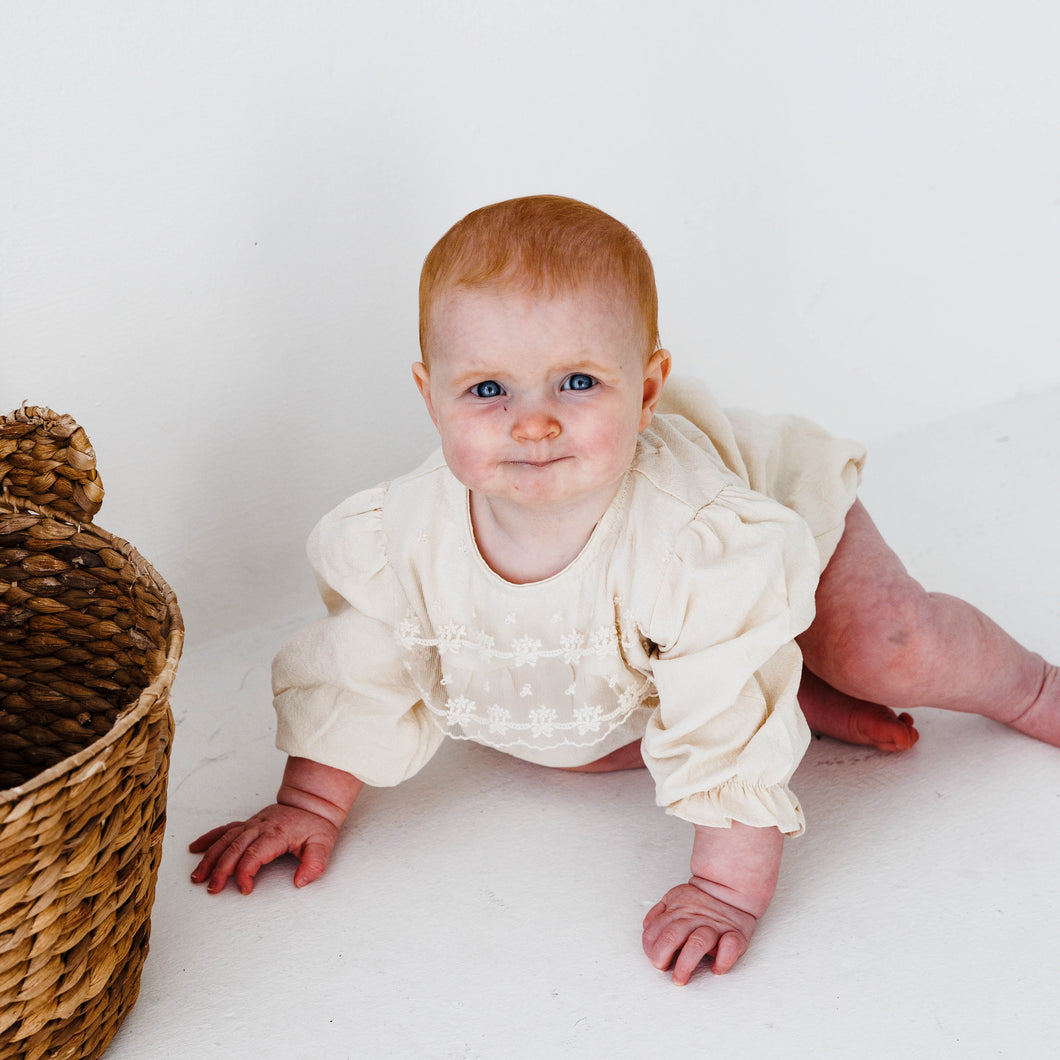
(213, 217)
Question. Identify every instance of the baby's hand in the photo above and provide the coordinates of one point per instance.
(242, 847)
(310, 807)
(691, 924)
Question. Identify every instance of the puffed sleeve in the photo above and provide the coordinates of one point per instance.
(728, 733)
(341, 693)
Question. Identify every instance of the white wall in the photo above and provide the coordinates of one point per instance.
(213, 216)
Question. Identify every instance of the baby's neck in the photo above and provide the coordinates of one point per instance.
(530, 544)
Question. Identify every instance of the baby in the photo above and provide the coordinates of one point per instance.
(586, 580)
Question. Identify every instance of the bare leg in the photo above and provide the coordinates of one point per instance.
(879, 636)
(879, 640)
(627, 757)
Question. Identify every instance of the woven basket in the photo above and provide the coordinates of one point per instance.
(90, 636)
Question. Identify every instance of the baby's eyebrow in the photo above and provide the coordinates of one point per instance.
(472, 376)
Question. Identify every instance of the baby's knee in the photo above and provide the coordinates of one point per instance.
(885, 650)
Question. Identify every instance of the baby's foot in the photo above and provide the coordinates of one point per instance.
(832, 713)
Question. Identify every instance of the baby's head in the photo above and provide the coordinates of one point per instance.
(538, 328)
(541, 245)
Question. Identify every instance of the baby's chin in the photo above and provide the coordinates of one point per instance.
(547, 487)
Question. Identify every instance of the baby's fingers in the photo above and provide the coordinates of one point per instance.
(207, 840)
(236, 852)
(215, 843)
(246, 858)
(664, 937)
(698, 945)
(312, 862)
(688, 925)
(731, 947)
(656, 910)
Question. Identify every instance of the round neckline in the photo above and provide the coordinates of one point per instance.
(583, 557)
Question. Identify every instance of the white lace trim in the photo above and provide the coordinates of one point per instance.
(523, 651)
(544, 728)
(544, 722)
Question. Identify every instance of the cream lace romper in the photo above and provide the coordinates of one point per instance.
(675, 625)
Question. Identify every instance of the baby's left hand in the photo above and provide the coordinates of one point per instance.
(690, 924)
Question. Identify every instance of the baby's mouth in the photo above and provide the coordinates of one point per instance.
(539, 463)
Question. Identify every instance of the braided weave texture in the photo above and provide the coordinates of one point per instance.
(90, 637)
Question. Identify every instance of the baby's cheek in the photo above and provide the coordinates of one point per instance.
(466, 462)
(458, 465)
(614, 449)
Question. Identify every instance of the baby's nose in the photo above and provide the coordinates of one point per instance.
(535, 425)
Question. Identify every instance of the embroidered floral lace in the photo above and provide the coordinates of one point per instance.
(593, 698)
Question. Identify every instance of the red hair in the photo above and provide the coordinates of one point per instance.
(541, 243)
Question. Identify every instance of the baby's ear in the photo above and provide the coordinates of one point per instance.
(423, 383)
(655, 373)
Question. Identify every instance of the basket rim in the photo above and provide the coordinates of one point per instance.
(150, 695)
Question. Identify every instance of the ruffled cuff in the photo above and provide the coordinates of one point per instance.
(758, 806)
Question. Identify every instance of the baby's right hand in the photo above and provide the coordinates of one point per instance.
(239, 849)
(310, 807)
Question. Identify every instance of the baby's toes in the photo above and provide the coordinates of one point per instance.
(879, 727)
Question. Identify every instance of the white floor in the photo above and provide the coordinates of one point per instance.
(489, 908)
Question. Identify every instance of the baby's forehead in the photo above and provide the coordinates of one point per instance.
(593, 294)
(470, 312)
(481, 330)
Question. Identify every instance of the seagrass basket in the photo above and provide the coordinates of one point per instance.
(90, 636)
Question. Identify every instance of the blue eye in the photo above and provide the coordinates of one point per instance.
(579, 381)
(488, 389)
